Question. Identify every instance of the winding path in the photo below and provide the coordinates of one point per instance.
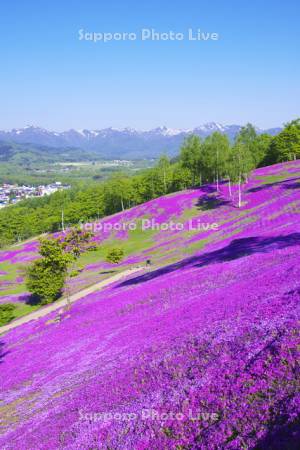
(59, 304)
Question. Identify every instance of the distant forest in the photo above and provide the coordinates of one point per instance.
(200, 161)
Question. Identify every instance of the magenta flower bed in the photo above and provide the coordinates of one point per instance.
(15, 298)
(24, 253)
(200, 354)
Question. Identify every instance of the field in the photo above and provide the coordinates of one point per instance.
(35, 165)
(199, 352)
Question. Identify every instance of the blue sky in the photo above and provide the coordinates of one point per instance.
(49, 78)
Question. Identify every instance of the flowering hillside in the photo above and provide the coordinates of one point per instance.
(200, 352)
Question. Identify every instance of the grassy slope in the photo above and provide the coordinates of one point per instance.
(236, 289)
(161, 247)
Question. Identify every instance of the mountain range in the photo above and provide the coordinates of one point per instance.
(120, 143)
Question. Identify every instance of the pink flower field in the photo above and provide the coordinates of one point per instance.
(200, 352)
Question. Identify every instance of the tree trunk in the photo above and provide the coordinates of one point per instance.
(62, 221)
(68, 280)
(217, 172)
(240, 192)
(229, 187)
(152, 186)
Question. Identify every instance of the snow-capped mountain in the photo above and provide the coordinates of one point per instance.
(115, 143)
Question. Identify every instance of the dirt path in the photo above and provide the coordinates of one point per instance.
(63, 302)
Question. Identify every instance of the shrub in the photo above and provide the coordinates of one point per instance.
(6, 313)
(115, 255)
(74, 273)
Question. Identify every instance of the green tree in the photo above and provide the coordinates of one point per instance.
(164, 168)
(246, 139)
(190, 157)
(46, 276)
(216, 148)
(242, 164)
(76, 241)
(231, 169)
(153, 183)
(263, 143)
(181, 177)
(118, 193)
(286, 145)
(247, 135)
